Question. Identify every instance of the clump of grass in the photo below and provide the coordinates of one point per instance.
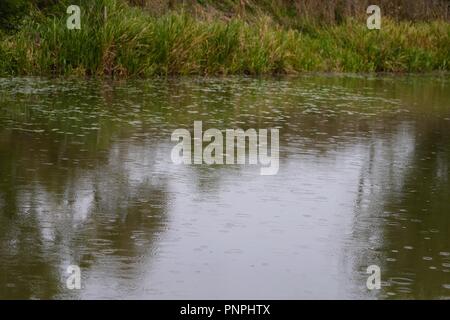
(127, 41)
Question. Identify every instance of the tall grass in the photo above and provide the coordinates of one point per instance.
(131, 42)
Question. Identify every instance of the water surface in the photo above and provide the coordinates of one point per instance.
(86, 179)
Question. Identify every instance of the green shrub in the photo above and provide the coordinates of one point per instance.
(11, 12)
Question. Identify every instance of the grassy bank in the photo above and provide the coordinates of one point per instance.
(129, 41)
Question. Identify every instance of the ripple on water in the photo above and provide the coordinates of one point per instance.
(404, 290)
(401, 281)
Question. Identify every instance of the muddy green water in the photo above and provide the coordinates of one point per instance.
(86, 179)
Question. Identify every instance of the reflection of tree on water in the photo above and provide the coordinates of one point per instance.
(419, 216)
(83, 211)
(402, 208)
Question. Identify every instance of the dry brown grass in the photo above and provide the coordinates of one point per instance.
(324, 11)
(336, 10)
